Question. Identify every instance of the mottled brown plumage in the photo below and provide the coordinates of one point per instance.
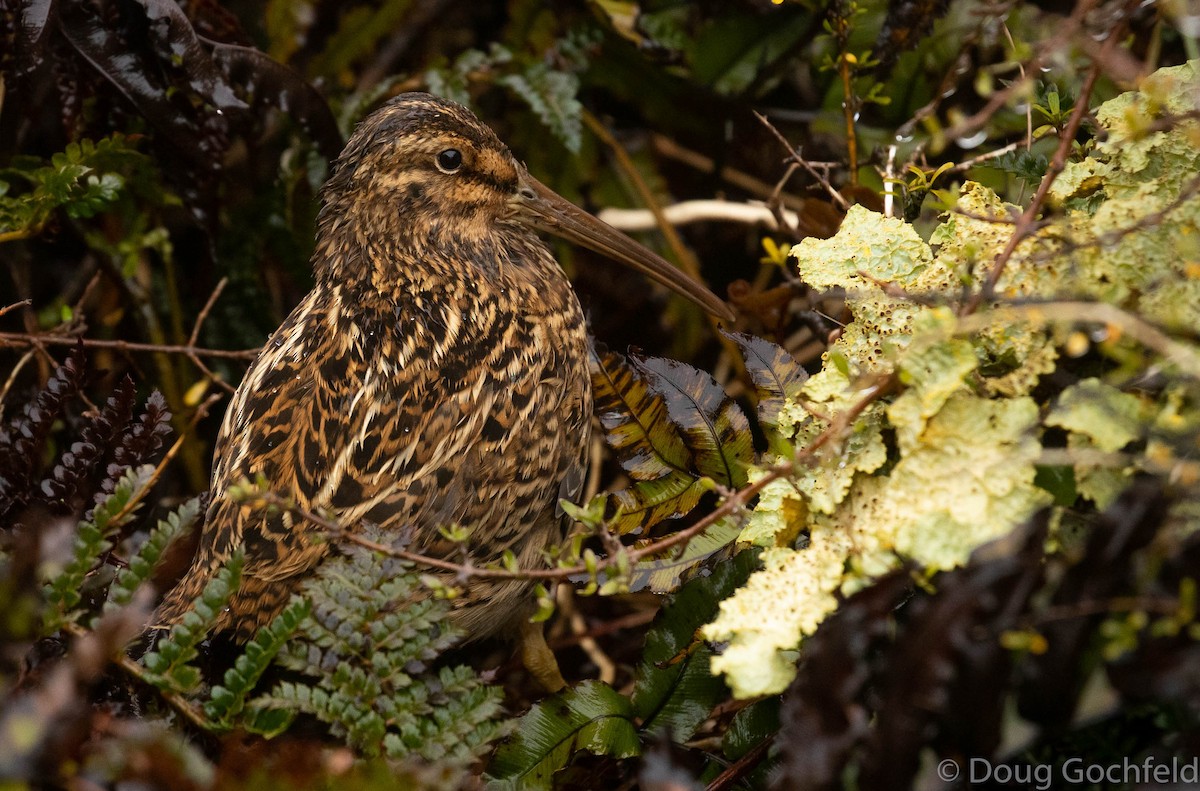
(436, 374)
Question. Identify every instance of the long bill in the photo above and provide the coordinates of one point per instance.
(545, 210)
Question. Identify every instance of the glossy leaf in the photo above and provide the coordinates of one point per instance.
(647, 503)
(750, 727)
(635, 420)
(591, 716)
(711, 424)
(275, 85)
(675, 691)
(775, 373)
(662, 574)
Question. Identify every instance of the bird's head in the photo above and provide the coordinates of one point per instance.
(424, 172)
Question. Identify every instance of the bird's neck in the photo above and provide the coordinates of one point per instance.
(420, 266)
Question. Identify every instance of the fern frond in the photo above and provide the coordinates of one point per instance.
(142, 564)
(167, 666)
(63, 591)
(367, 646)
(227, 700)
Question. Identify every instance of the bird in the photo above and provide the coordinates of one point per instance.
(436, 374)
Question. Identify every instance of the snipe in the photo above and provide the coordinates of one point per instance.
(437, 373)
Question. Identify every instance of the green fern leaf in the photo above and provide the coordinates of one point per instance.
(552, 97)
(142, 564)
(63, 592)
(167, 666)
(227, 700)
(365, 648)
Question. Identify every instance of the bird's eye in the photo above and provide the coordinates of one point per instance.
(449, 160)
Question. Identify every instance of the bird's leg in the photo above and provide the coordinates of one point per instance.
(538, 659)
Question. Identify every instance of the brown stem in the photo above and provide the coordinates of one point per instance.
(1026, 224)
(36, 339)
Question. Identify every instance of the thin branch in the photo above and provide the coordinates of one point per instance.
(849, 100)
(1026, 224)
(42, 339)
(1108, 238)
(794, 156)
(22, 304)
(197, 416)
(192, 339)
(732, 503)
(685, 257)
(130, 666)
(672, 150)
(740, 767)
(1186, 357)
(691, 211)
(970, 125)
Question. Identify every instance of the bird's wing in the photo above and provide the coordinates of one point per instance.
(342, 422)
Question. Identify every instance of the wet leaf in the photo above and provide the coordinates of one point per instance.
(271, 83)
(646, 503)
(662, 574)
(750, 726)
(635, 420)
(712, 425)
(591, 716)
(775, 373)
(675, 691)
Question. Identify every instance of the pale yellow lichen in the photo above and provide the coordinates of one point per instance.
(1109, 418)
(960, 473)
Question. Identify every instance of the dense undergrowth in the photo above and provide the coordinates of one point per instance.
(931, 505)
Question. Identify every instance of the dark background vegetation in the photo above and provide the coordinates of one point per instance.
(228, 115)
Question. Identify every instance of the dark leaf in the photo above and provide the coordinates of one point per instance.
(177, 42)
(78, 470)
(22, 442)
(750, 727)
(711, 424)
(269, 82)
(635, 421)
(590, 716)
(646, 503)
(775, 373)
(662, 574)
(675, 691)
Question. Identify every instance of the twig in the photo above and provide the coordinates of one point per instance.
(731, 504)
(22, 304)
(174, 699)
(201, 411)
(967, 164)
(1025, 225)
(1145, 222)
(630, 621)
(1161, 605)
(841, 21)
(968, 126)
(669, 148)
(687, 260)
(794, 156)
(200, 319)
(12, 377)
(1176, 353)
(739, 767)
(1175, 469)
(38, 339)
(605, 665)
